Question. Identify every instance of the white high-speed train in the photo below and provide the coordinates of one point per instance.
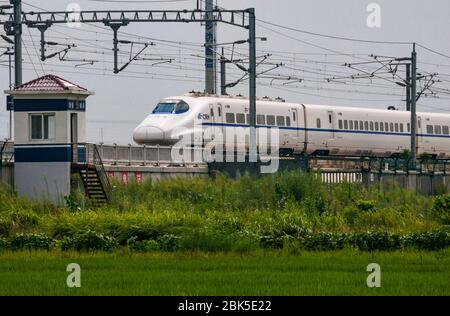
(303, 128)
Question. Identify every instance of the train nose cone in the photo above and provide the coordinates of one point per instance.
(148, 134)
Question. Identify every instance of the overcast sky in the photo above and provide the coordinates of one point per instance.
(122, 101)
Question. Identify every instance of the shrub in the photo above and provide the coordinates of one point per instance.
(323, 241)
(275, 238)
(6, 224)
(441, 208)
(4, 244)
(169, 242)
(428, 240)
(382, 241)
(31, 242)
(142, 246)
(89, 241)
(366, 205)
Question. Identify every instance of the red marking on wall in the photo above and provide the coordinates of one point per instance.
(124, 177)
(111, 174)
(138, 177)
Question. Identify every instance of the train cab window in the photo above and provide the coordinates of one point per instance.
(182, 107)
(219, 112)
(351, 124)
(361, 125)
(288, 121)
(391, 125)
(401, 128)
(280, 121)
(438, 129)
(377, 126)
(164, 108)
(386, 127)
(270, 120)
(408, 127)
(230, 118)
(381, 127)
(261, 119)
(429, 129)
(396, 127)
(366, 125)
(445, 130)
(371, 126)
(340, 124)
(319, 123)
(240, 118)
(356, 125)
(345, 124)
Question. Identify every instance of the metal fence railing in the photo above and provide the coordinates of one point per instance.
(6, 152)
(149, 155)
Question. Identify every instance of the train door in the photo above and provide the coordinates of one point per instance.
(295, 120)
(421, 146)
(216, 120)
(331, 125)
(419, 130)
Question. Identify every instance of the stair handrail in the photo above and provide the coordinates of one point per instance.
(98, 163)
(2, 152)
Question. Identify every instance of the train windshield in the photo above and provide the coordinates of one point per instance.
(171, 107)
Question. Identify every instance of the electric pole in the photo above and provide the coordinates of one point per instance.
(252, 73)
(408, 87)
(413, 107)
(17, 41)
(223, 75)
(210, 49)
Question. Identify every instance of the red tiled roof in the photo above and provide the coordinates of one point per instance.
(49, 83)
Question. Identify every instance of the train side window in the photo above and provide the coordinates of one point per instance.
(437, 129)
(345, 124)
(340, 124)
(401, 128)
(240, 118)
(351, 124)
(212, 112)
(381, 126)
(361, 125)
(270, 120)
(219, 112)
(366, 125)
(356, 125)
(261, 119)
(280, 121)
(319, 123)
(230, 118)
(371, 126)
(408, 127)
(429, 129)
(386, 127)
(377, 127)
(396, 127)
(288, 121)
(445, 130)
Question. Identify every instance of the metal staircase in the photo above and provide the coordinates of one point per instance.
(92, 172)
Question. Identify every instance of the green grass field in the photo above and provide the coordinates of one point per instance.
(258, 273)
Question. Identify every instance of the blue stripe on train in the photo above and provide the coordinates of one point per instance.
(325, 130)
